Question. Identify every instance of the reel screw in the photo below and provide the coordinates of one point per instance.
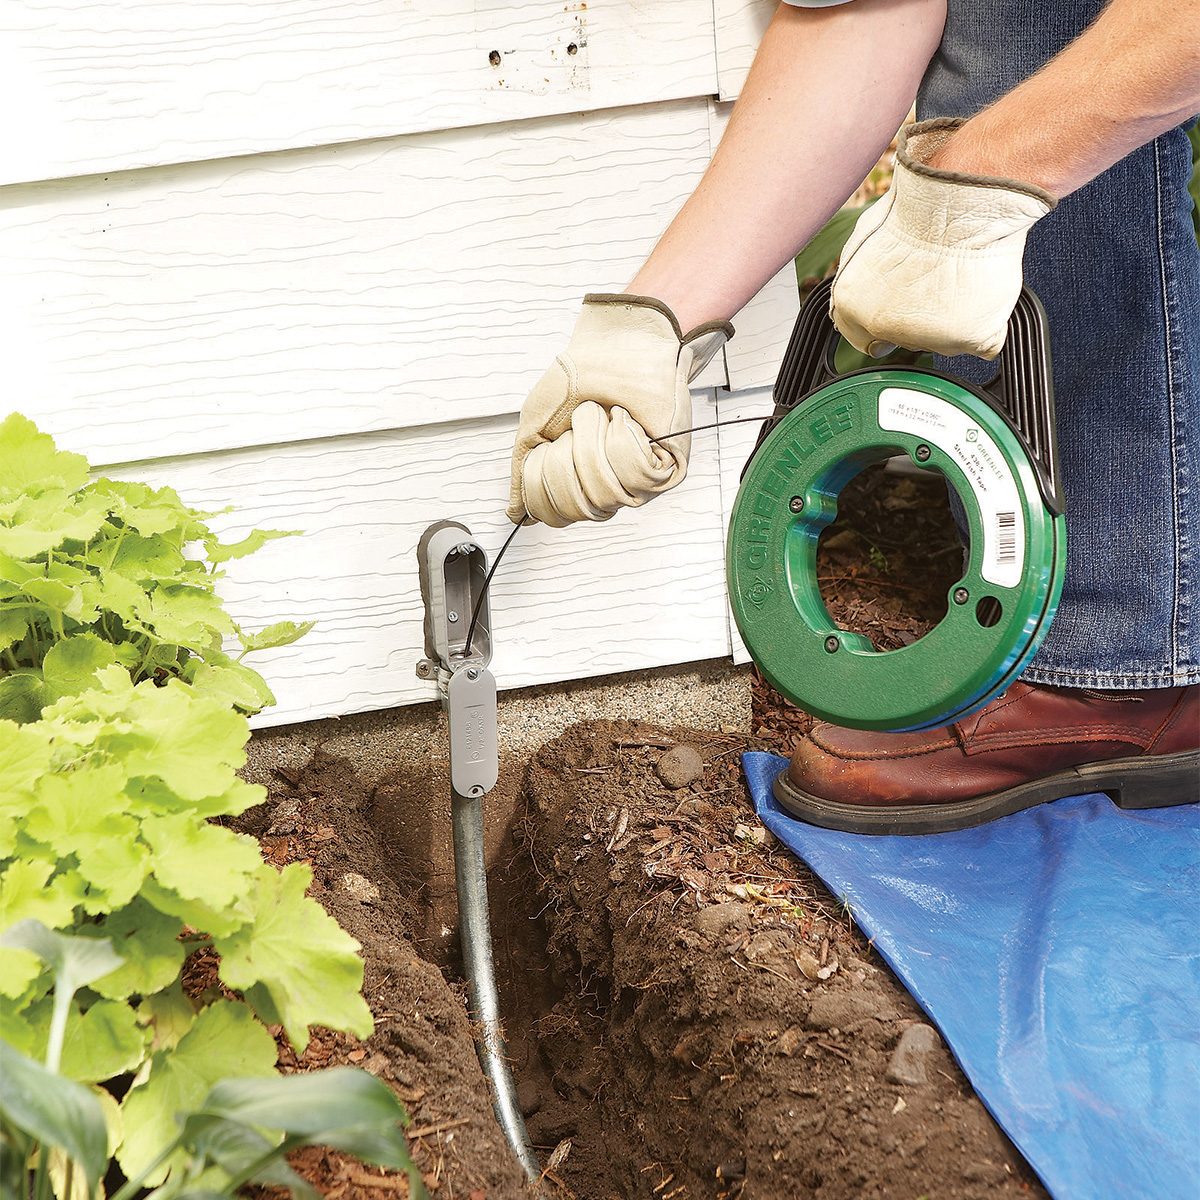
(961, 595)
(832, 643)
(923, 453)
(452, 616)
(472, 672)
(796, 504)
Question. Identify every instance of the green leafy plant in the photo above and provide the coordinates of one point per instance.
(823, 250)
(56, 1134)
(97, 572)
(104, 829)
(122, 727)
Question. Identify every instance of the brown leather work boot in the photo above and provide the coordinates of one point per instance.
(1030, 745)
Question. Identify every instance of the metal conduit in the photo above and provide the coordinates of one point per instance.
(470, 875)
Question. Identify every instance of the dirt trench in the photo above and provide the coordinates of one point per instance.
(690, 1014)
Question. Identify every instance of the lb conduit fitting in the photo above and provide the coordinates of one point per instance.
(458, 649)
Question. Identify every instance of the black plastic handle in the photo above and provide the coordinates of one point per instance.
(1022, 388)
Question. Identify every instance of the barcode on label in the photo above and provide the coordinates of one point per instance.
(1006, 537)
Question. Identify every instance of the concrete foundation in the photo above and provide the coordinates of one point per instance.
(402, 754)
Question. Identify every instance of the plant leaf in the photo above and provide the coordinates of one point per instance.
(186, 615)
(222, 553)
(14, 625)
(75, 961)
(70, 665)
(57, 1112)
(18, 969)
(235, 683)
(29, 458)
(341, 1107)
(225, 1041)
(824, 248)
(102, 1042)
(235, 1147)
(193, 743)
(83, 813)
(282, 633)
(24, 757)
(320, 987)
(27, 892)
(98, 1042)
(199, 861)
(168, 1015)
(149, 942)
(218, 918)
(22, 696)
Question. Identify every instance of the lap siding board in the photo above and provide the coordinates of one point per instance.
(109, 87)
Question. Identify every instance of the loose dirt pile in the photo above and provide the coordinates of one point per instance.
(706, 1022)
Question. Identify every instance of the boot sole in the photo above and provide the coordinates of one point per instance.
(1162, 781)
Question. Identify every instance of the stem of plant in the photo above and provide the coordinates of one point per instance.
(58, 1027)
(42, 1184)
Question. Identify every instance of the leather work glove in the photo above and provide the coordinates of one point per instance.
(583, 447)
(935, 264)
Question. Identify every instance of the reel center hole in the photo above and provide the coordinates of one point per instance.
(886, 565)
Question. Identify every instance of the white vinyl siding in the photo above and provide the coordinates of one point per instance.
(248, 257)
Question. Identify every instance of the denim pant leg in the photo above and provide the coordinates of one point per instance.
(1118, 268)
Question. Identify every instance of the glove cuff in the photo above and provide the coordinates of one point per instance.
(919, 142)
(629, 299)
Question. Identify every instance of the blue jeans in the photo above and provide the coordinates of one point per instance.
(1117, 266)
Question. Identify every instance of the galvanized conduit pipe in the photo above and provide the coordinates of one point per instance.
(470, 873)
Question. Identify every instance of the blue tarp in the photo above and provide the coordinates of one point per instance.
(1058, 951)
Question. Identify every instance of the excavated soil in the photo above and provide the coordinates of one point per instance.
(691, 1016)
(706, 1021)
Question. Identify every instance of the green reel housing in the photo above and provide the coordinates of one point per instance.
(999, 454)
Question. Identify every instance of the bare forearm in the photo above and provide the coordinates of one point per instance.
(1132, 75)
(828, 89)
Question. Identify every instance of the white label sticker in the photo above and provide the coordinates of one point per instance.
(952, 431)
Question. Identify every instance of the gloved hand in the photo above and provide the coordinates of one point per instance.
(583, 447)
(935, 264)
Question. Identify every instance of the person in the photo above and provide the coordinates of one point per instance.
(1051, 148)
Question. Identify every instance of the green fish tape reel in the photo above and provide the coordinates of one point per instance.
(996, 448)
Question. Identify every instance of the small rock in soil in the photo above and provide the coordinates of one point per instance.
(809, 964)
(907, 1065)
(790, 1040)
(358, 887)
(764, 947)
(285, 818)
(716, 918)
(842, 1009)
(681, 765)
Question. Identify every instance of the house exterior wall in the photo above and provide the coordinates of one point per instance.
(307, 259)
